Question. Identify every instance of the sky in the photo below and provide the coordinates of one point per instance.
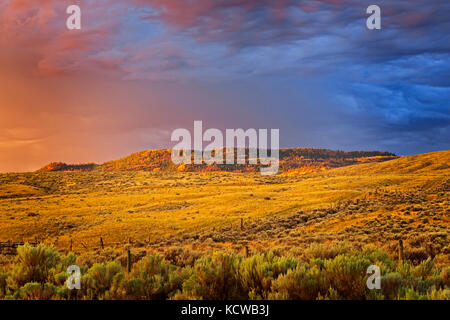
(139, 69)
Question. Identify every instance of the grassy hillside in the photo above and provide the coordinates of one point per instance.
(427, 163)
(155, 208)
(295, 161)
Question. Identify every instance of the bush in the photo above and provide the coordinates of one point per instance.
(347, 275)
(390, 285)
(36, 291)
(152, 278)
(257, 272)
(301, 283)
(33, 264)
(124, 288)
(323, 251)
(99, 279)
(215, 278)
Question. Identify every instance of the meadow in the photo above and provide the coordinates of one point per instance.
(186, 218)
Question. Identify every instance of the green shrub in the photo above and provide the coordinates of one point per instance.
(124, 288)
(301, 283)
(60, 278)
(215, 278)
(257, 272)
(347, 275)
(378, 258)
(40, 273)
(99, 279)
(34, 264)
(152, 278)
(36, 291)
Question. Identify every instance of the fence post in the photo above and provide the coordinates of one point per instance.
(128, 260)
(71, 243)
(101, 243)
(242, 223)
(246, 251)
(400, 252)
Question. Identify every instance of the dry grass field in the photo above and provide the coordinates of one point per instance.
(369, 203)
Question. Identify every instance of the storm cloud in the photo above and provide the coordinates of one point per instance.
(310, 68)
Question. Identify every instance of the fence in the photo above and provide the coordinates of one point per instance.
(10, 248)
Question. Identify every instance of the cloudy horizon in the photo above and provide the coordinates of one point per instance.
(138, 69)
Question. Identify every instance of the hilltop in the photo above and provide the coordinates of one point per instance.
(428, 163)
(292, 160)
(61, 166)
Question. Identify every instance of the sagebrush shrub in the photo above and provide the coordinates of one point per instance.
(301, 283)
(323, 251)
(33, 264)
(152, 278)
(215, 278)
(36, 291)
(40, 273)
(347, 275)
(99, 279)
(257, 272)
(390, 285)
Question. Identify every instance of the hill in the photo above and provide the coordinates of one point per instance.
(409, 194)
(294, 160)
(61, 166)
(428, 163)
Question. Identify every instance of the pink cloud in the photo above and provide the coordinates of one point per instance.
(39, 26)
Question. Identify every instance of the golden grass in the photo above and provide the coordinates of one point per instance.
(153, 206)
